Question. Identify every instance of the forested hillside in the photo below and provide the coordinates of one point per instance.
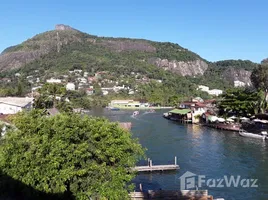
(54, 53)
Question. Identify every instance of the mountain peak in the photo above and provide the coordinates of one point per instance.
(63, 27)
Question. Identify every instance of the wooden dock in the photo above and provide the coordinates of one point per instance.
(125, 125)
(150, 167)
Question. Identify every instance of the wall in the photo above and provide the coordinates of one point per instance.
(9, 109)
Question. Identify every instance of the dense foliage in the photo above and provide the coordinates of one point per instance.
(80, 156)
(259, 79)
(240, 64)
(240, 102)
(76, 50)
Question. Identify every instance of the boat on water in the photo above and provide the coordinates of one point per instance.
(114, 109)
(135, 113)
(262, 136)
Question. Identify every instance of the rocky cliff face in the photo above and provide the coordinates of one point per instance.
(232, 74)
(16, 56)
(189, 68)
(63, 27)
(264, 61)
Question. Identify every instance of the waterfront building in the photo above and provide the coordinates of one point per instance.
(128, 104)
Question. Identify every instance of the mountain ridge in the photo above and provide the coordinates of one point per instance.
(165, 55)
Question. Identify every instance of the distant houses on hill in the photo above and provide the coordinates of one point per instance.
(214, 92)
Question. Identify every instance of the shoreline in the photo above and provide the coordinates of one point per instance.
(142, 108)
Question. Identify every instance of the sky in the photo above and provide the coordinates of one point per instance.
(214, 29)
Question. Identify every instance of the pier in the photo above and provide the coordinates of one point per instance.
(150, 167)
(125, 125)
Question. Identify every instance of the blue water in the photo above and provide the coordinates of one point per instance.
(200, 150)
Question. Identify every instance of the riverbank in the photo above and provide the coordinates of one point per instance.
(143, 108)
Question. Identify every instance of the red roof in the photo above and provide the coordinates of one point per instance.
(200, 105)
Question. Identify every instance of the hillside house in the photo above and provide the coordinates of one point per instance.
(239, 84)
(13, 105)
(89, 91)
(203, 88)
(53, 80)
(70, 86)
(215, 92)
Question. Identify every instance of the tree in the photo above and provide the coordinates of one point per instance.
(48, 94)
(239, 102)
(259, 79)
(67, 153)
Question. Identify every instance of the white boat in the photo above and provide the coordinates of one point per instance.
(135, 113)
(262, 136)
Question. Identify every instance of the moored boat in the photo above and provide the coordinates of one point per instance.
(114, 109)
(135, 113)
(262, 136)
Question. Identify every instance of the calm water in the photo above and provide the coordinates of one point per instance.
(200, 150)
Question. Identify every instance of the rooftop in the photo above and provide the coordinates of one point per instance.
(16, 101)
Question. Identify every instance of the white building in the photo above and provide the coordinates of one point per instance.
(203, 88)
(82, 80)
(78, 70)
(215, 92)
(52, 80)
(36, 88)
(12, 105)
(239, 84)
(85, 74)
(90, 91)
(105, 92)
(70, 86)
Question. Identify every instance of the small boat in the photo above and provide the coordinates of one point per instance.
(115, 109)
(135, 113)
(151, 111)
(262, 136)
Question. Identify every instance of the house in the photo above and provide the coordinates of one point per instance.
(91, 79)
(105, 92)
(128, 104)
(70, 86)
(89, 91)
(52, 80)
(239, 84)
(12, 105)
(78, 70)
(215, 92)
(197, 106)
(181, 115)
(82, 80)
(117, 88)
(85, 74)
(203, 88)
